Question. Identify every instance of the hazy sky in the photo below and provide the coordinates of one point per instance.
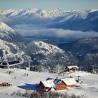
(50, 4)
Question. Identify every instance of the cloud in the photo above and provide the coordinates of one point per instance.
(32, 30)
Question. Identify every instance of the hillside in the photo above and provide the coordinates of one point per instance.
(47, 41)
(47, 54)
(9, 34)
(50, 26)
(9, 47)
(85, 50)
(21, 83)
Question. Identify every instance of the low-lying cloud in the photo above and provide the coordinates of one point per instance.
(39, 31)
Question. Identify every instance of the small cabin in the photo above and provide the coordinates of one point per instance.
(57, 84)
(63, 84)
(71, 68)
(46, 85)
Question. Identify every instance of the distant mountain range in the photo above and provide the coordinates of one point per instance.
(73, 20)
(82, 21)
(51, 37)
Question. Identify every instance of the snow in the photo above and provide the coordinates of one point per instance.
(88, 86)
(4, 27)
(7, 46)
(72, 67)
(93, 10)
(50, 48)
(38, 47)
(37, 22)
(40, 12)
(8, 34)
(45, 13)
(4, 45)
(48, 83)
(35, 17)
(21, 81)
(69, 81)
(8, 96)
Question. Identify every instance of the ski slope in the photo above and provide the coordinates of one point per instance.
(23, 80)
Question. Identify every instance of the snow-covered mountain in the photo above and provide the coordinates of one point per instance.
(45, 13)
(85, 50)
(40, 47)
(49, 25)
(58, 18)
(8, 34)
(46, 54)
(5, 28)
(11, 53)
(9, 47)
(81, 21)
(39, 12)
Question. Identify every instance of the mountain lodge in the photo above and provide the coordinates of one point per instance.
(57, 84)
(71, 68)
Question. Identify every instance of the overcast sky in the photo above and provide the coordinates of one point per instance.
(50, 4)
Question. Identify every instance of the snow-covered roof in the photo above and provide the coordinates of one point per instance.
(52, 83)
(48, 83)
(72, 67)
(69, 81)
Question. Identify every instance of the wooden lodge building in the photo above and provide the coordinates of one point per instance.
(57, 84)
(46, 85)
(65, 83)
(71, 68)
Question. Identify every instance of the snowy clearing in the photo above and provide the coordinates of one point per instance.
(23, 80)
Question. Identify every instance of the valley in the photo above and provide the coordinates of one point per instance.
(38, 44)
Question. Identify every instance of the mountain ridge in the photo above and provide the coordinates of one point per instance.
(9, 34)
